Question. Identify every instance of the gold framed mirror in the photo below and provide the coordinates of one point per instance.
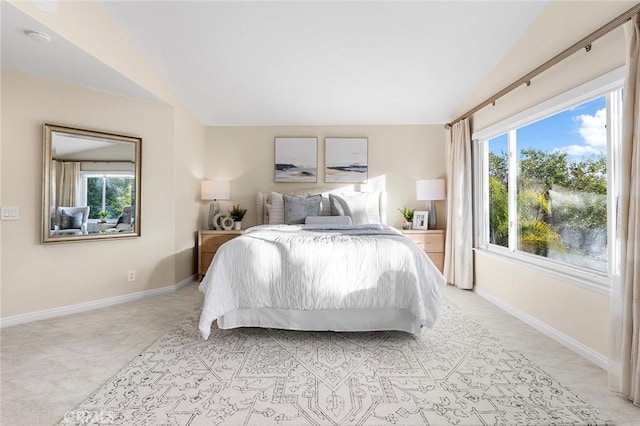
(90, 186)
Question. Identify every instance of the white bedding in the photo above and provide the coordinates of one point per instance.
(320, 267)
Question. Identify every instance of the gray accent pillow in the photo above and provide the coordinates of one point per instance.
(328, 220)
(296, 209)
(70, 220)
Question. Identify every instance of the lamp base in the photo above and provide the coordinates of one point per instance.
(432, 215)
(214, 209)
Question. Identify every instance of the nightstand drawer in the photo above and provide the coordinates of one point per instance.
(428, 242)
(205, 260)
(208, 244)
(437, 259)
(211, 243)
(431, 241)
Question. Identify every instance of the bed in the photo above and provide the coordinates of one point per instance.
(324, 274)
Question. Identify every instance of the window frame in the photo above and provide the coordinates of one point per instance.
(84, 175)
(607, 85)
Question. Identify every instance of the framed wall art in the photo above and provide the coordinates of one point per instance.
(296, 159)
(346, 160)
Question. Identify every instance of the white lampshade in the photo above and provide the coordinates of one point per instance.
(428, 190)
(215, 190)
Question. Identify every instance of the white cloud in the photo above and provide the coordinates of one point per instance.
(593, 132)
(579, 150)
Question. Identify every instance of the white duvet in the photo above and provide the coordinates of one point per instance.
(317, 267)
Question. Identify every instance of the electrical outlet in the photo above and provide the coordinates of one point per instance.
(131, 275)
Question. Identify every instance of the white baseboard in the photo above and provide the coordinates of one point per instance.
(88, 306)
(593, 356)
(184, 282)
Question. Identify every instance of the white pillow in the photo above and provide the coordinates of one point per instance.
(328, 220)
(276, 209)
(363, 207)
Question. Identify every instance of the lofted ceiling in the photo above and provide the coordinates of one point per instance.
(310, 63)
(59, 59)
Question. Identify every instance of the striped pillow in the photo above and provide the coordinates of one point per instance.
(276, 209)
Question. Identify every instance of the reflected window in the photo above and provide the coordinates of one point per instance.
(107, 194)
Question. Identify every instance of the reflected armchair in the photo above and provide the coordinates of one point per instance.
(70, 221)
(125, 220)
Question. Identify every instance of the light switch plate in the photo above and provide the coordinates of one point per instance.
(10, 213)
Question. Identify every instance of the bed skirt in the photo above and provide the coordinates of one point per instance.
(322, 320)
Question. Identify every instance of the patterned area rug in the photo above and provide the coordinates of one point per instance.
(453, 374)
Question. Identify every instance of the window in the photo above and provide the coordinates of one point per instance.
(546, 182)
(107, 192)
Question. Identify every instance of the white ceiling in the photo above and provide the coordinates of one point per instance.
(59, 59)
(316, 63)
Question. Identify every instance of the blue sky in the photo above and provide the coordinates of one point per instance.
(579, 131)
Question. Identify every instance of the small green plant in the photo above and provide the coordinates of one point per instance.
(236, 213)
(407, 213)
(103, 215)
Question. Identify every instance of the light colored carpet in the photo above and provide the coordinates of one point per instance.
(456, 373)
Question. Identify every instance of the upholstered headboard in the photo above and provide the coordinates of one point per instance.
(264, 198)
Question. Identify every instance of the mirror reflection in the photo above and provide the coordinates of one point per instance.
(91, 185)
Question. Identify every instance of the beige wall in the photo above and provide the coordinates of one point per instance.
(398, 156)
(85, 24)
(560, 24)
(580, 314)
(39, 277)
(188, 170)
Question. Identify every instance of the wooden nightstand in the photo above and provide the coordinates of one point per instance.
(208, 244)
(431, 241)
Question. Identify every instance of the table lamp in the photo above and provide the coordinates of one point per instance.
(430, 190)
(213, 190)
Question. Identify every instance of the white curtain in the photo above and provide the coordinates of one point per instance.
(53, 179)
(68, 184)
(624, 364)
(458, 256)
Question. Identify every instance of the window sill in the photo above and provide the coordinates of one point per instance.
(590, 281)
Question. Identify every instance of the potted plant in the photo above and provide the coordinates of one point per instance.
(407, 214)
(237, 214)
(103, 216)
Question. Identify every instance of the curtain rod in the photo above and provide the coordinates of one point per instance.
(94, 161)
(584, 43)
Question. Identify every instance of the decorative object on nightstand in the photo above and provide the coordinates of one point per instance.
(432, 242)
(214, 190)
(421, 220)
(237, 214)
(208, 243)
(407, 214)
(430, 190)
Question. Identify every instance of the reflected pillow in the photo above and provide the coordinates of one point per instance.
(296, 209)
(362, 207)
(70, 220)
